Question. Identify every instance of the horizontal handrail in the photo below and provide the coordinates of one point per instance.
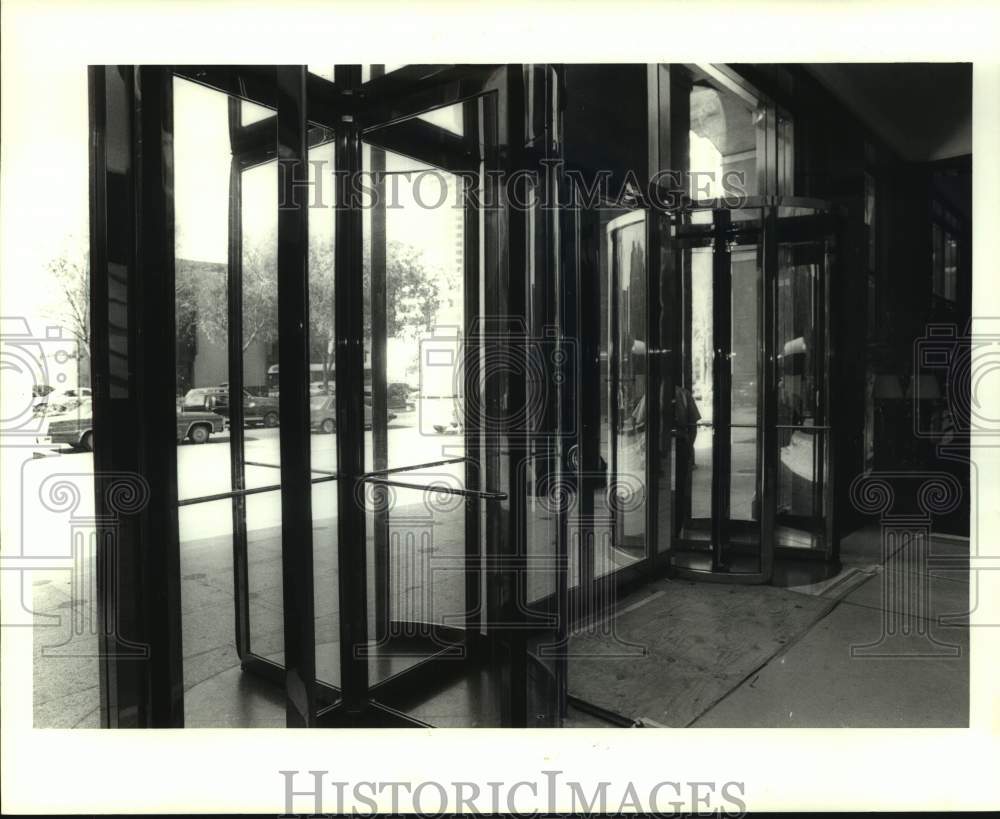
(278, 466)
(447, 490)
(239, 493)
(395, 470)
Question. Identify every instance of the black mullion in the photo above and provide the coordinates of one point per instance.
(97, 91)
(589, 409)
(237, 469)
(654, 375)
(380, 409)
(721, 399)
(156, 352)
(349, 332)
(293, 356)
(832, 531)
(768, 394)
(512, 138)
(493, 309)
(132, 320)
(819, 355)
(762, 454)
(471, 386)
(614, 385)
(568, 437)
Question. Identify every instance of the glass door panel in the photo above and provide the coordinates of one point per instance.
(696, 399)
(620, 506)
(802, 343)
(765, 379)
(717, 412)
(414, 237)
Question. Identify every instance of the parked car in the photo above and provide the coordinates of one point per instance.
(77, 427)
(323, 418)
(257, 409)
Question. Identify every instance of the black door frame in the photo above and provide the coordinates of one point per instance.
(308, 108)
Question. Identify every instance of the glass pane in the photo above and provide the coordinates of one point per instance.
(694, 421)
(745, 380)
(261, 385)
(322, 414)
(416, 537)
(324, 71)
(723, 141)
(629, 276)
(802, 447)
(449, 118)
(201, 206)
(250, 112)
(541, 504)
(798, 362)
(325, 574)
(264, 573)
(619, 505)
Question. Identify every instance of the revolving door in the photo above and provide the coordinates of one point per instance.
(603, 393)
(707, 434)
(753, 440)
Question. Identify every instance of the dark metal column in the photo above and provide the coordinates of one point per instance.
(721, 401)
(514, 275)
(380, 402)
(472, 395)
(237, 469)
(135, 457)
(591, 477)
(350, 359)
(293, 358)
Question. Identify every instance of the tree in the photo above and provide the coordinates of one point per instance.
(202, 300)
(413, 296)
(73, 307)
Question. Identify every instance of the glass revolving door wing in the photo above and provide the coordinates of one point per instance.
(751, 430)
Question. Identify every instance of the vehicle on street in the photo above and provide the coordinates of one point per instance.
(76, 427)
(257, 409)
(322, 414)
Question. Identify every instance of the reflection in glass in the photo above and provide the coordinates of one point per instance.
(743, 394)
(416, 537)
(723, 143)
(622, 540)
(201, 197)
(264, 549)
(322, 414)
(802, 458)
(694, 433)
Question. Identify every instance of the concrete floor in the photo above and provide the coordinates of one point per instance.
(836, 654)
(677, 654)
